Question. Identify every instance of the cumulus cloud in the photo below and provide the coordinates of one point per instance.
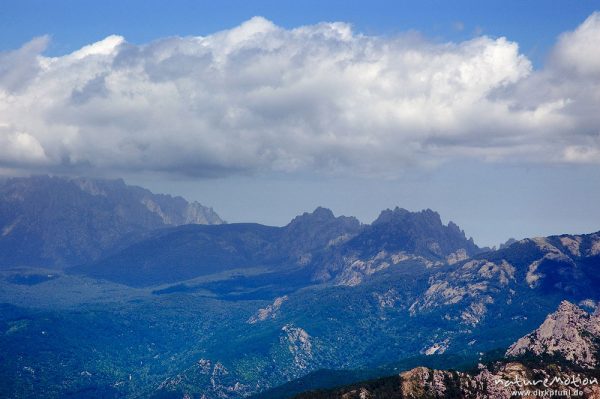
(18, 67)
(577, 51)
(321, 98)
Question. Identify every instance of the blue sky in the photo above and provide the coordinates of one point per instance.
(483, 111)
(72, 24)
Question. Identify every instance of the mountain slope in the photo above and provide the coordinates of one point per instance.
(414, 307)
(555, 368)
(330, 249)
(570, 332)
(417, 307)
(185, 252)
(517, 277)
(395, 236)
(58, 221)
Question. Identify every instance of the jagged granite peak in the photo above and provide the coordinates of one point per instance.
(421, 233)
(401, 214)
(507, 243)
(322, 215)
(173, 210)
(396, 236)
(317, 231)
(196, 213)
(319, 213)
(59, 221)
(569, 332)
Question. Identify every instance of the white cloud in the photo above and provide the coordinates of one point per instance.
(319, 98)
(18, 67)
(17, 148)
(577, 51)
(582, 154)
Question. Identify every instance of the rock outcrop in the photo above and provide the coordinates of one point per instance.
(559, 359)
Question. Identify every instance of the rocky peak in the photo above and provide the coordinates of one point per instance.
(388, 215)
(317, 230)
(420, 233)
(508, 243)
(319, 215)
(569, 332)
(422, 382)
(61, 221)
(399, 215)
(196, 213)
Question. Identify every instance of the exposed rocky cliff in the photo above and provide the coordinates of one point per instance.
(570, 333)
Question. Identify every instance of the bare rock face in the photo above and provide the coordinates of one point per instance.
(570, 332)
(299, 344)
(422, 382)
(212, 374)
(270, 312)
(470, 289)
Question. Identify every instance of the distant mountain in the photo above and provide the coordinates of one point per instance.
(185, 252)
(60, 221)
(516, 277)
(569, 263)
(340, 295)
(240, 332)
(564, 348)
(507, 243)
(420, 233)
(327, 248)
(315, 231)
(396, 236)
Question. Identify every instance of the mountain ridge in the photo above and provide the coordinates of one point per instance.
(60, 221)
(322, 292)
(556, 368)
(328, 248)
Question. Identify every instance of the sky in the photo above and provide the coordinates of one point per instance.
(483, 111)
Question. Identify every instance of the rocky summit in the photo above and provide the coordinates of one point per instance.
(570, 333)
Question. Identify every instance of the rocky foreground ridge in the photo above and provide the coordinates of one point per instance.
(559, 359)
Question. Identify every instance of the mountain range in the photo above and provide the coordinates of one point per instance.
(314, 247)
(133, 299)
(58, 222)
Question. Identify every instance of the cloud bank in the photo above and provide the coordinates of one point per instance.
(261, 98)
